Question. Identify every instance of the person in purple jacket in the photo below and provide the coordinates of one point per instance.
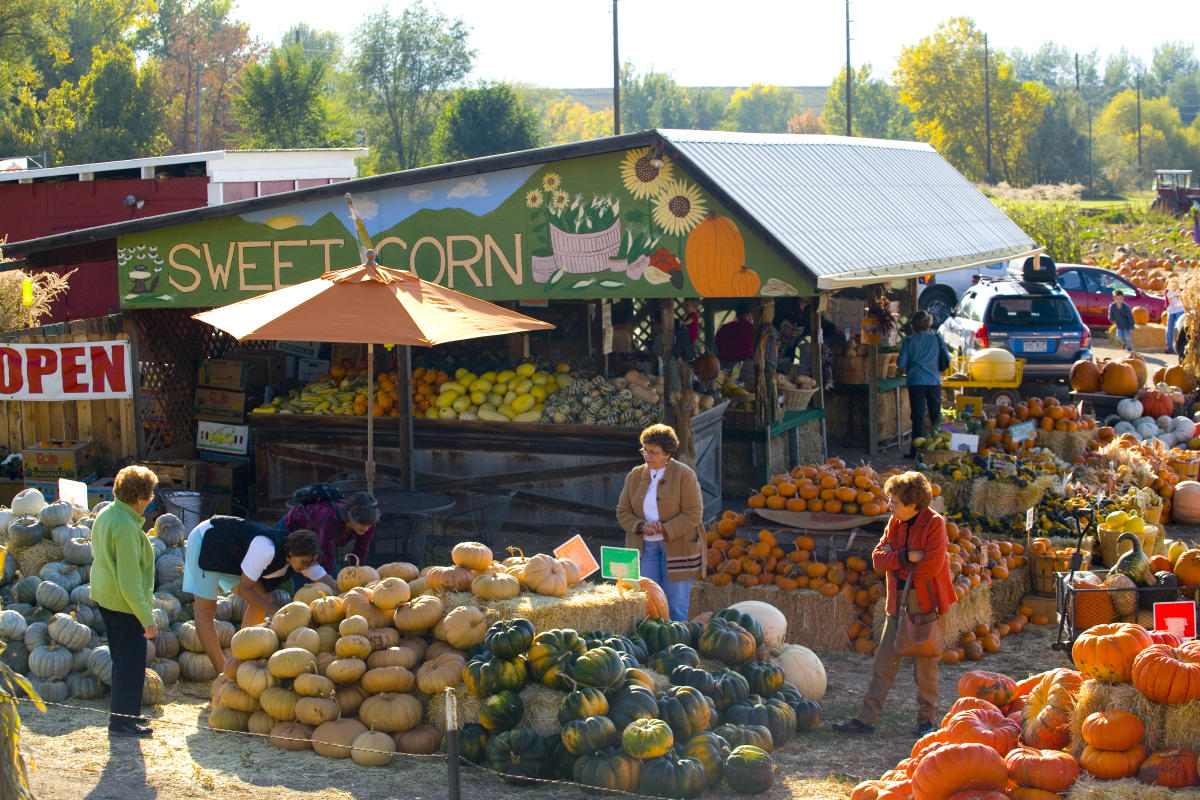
(337, 522)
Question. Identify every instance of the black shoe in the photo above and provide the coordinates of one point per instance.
(923, 727)
(131, 730)
(853, 726)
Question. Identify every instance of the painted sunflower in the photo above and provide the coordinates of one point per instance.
(534, 198)
(642, 178)
(559, 200)
(551, 181)
(679, 207)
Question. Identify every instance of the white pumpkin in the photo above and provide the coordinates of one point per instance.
(803, 668)
(1164, 422)
(772, 620)
(1123, 427)
(28, 503)
(1129, 408)
(1147, 430)
(1181, 427)
(6, 516)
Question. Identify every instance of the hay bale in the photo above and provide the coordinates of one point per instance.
(1007, 593)
(1089, 788)
(468, 708)
(1099, 696)
(957, 494)
(585, 607)
(815, 621)
(32, 559)
(661, 682)
(541, 709)
(1067, 445)
(994, 498)
(1181, 726)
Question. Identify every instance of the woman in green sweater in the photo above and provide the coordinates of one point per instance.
(123, 587)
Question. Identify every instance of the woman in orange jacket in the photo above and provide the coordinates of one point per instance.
(914, 540)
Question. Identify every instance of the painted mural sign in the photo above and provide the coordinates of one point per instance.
(611, 225)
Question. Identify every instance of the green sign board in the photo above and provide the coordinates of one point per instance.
(619, 562)
(610, 225)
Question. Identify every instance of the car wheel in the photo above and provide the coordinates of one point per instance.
(1004, 397)
(939, 304)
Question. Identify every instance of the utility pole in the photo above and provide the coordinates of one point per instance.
(616, 78)
(199, 72)
(849, 73)
(987, 107)
(1138, 80)
(1091, 186)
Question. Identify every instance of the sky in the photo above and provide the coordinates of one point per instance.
(568, 43)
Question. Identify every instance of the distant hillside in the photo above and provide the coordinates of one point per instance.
(599, 99)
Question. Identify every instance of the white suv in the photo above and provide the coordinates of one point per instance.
(939, 293)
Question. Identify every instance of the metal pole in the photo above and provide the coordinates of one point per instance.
(199, 71)
(370, 467)
(987, 107)
(616, 77)
(452, 765)
(849, 74)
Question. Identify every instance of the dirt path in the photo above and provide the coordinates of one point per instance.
(73, 757)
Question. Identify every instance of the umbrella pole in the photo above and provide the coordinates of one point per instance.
(370, 467)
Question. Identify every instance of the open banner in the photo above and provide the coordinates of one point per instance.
(66, 371)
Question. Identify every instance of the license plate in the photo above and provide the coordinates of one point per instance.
(1033, 346)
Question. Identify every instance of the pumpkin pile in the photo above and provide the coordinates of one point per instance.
(1047, 414)
(831, 487)
(52, 629)
(1119, 463)
(1004, 738)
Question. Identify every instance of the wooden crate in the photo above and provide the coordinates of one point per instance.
(177, 474)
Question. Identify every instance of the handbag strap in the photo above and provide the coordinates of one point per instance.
(902, 605)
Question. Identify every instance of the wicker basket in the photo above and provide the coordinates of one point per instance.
(850, 370)
(1152, 542)
(1186, 470)
(1043, 567)
(1153, 514)
(796, 399)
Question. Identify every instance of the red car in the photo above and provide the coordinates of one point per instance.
(1091, 290)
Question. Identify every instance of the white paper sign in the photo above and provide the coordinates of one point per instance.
(74, 492)
(964, 442)
(1029, 520)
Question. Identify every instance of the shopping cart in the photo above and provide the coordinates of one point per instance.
(192, 508)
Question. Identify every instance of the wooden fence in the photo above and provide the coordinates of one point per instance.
(111, 424)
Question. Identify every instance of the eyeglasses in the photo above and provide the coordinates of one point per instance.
(646, 452)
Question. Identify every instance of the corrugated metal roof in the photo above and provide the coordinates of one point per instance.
(850, 208)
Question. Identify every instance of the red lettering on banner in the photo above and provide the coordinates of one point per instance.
(108, 368)
(72, 368)
(40, 362)
(10, 371)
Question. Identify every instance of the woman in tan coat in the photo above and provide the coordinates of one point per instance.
(662, 512)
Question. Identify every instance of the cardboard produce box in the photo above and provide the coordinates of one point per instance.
(224, 438)
(51, 460)
(270, 365)
(227, 483)
(223, 405)
(241, 375)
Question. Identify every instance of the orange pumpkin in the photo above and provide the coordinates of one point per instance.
(1118, 378)
(1049, 769)
(1112, 764)
(948, 768)
(1167, 675)
(1085, 376)
(981, 725)
(1106, 652)
(997, 689)
(1113, 729)
(715, 251)
(1175, 769)
(1046, 721)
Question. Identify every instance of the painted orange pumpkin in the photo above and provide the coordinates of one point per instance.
(715, 251)
(744, 283)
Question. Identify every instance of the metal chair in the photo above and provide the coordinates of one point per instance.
(192, 508)
(400, 538)
(484, 513)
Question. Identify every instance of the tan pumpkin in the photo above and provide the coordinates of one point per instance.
(399, 656)
(235, 697)
(418, 587)
(438, 648)
(346, 670)
(388, 679)
(306, 638)
(292, 616)
(327, 610)
(353, 626)
(464, 627)
(324, 659)
(422, 740)
(335, 738)
(311, 684)
(373, 749)
(449, 579)
(496, 586)
(383, 638)
(1139, 369)
(231, 667)
(260, 722)
(418, 644)
(290, 662)
(218, 685)
(329, 636)
(389, 593)
(357, 602)
(254, 642)
(475, 556)
(354, 574)
(314, 590)
(544, 575)
(572, 570)
(441, 673)
(391, 711)
(292, 735)
(714, 251)
(279, 702)
(254, 678)
(353, 646)
(517, 571)
(399, 569)
(419, 614)
(349, 697)
(228, 719)
(515, 557)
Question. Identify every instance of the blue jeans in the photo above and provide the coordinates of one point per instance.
(1126, 337)
(1172, 321)
(654, 567)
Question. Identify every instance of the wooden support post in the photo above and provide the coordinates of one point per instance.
(666, 325)
(405, 417)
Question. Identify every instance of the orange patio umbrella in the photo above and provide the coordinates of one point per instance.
(372, 304)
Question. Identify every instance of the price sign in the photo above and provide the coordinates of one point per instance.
(1002, 462)
(74, 492)
(619, 562)
(1029, 520)
(577, 550)
(1023, 431)
(1177, 616)
(964, 442)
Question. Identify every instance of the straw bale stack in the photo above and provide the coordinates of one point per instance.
(814, 620)
(585, 607)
